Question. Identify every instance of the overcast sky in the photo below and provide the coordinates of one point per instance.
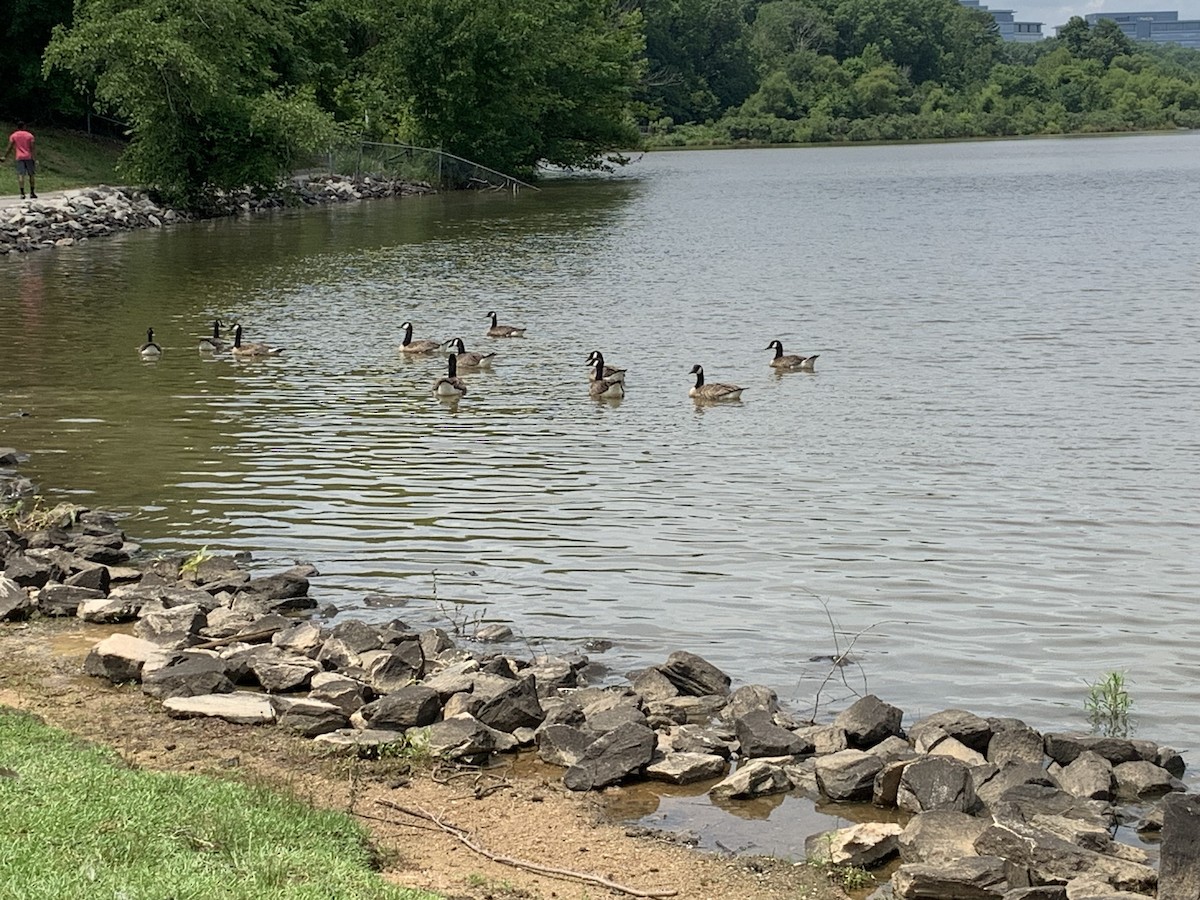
(1056, 12)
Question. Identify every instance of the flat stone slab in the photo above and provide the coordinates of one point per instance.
(238, 708)
(367, 739)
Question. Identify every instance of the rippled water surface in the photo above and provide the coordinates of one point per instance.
(992, 476)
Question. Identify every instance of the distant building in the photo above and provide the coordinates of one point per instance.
(1022, 32)
(1159, 27)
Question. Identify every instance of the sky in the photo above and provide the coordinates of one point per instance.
(1056, 12)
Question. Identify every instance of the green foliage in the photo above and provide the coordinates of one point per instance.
(509, 83)
(1108, 704)
(25, 27)
(201, 84)
(80, 824)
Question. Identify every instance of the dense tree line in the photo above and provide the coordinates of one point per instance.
(853, 70)
(220, 94)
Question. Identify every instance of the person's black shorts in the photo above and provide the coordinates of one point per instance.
(26, 166)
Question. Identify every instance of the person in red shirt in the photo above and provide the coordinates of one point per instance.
(21, 141)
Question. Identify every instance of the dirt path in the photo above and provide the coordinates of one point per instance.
(528, 815)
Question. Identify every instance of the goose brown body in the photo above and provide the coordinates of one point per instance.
(408, 345)
(715, 391)
(790, 361)
(470, 360)
(503, 330)
(215, 343)
(603, 388)
(253, 350)
(610, 373)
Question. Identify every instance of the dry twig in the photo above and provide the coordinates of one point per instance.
(462, 837)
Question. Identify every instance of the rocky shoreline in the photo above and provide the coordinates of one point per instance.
(993, 808)
(79, 215)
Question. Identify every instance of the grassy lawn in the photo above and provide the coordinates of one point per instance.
(65, 159)
(79, 823)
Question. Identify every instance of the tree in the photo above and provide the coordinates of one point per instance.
(26, 28)
(200, 83)
(510, 83)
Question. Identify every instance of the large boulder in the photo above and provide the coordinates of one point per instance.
(1015, 743)
(188, 676)
(967, 728)
(1141, 780)
(64, 600)
(1179, 861)
(1089, 776)
(759, 736)
(15, 602)
(390, 670)
(563, 745)
(756, 778)
(686, 768)
(972, 878)
(865, 845)
(279, 672)
(1050, 859)
(1064, 746)
(514, 706)
(937, 782)
(119, 658)
(412, 706)
(848, 775)
(464, 737)
(694, 676)
(612, 757)
(940, 836)
(308, 717)
(868, 721)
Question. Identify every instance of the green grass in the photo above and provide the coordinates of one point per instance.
(65, 159)
(79, 823)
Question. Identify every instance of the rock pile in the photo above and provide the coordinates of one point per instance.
(994, 808)
(101, 211)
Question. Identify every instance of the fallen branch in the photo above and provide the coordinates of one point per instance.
(248, 638)
(520, 863)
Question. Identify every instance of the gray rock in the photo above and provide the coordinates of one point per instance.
(109, 610)
(866, 845)
(935, 742)
(973, 878)
(174, 627)
(95, 578)
(1016, 745)
(757, 778)
(1051, 859)
(465, 737)
(303, 638)
(936, 783)
(606, 720)
(308, 717)
(551, 674)
(390, 670)
(1094, 889)
(15, 602)
(345, 693)
(278, 593)
(338, 655)
(848, 775)
(279, 672)
(1179, 862)
(413, 706)
(759, 736)
(188, 676)
(1024, 802)
(30, 571)
(64, 600)
(1170, 760)
(357, 636)
(653, 685)
(456, 678)
(685, 709)
(435, 641)
(686, 768)
(886, 788)
(1141, 780)
(825, 739)
(1089, 776)
(893, 748)
(699, 739)
(749, 698)
(992, 784)
(493, 634)
(694, 676)
(563, 745)
(967, 728)
(1063, 747)
(611, 758)
(119, 658)
(514, 705)
(1042, 892)
(239, 708)
(940, 836)
(868, 721)
(364, 742)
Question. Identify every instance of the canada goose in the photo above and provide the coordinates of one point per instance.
(251, 351)
(150, 350)
(702, 391)
(791, 361)
(408, 345)
(450, 385)
(470, 360)
(603, 388)
(610, 373)
(503, 330)
(214, 344)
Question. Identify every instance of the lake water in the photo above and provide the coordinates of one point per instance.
(992, 477)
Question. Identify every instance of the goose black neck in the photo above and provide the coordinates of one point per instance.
(493, 318)
(778, 349)
(453, 365)
(407, 335)
(216, 329)
(237, 337)
(599, 367)
(699, 378)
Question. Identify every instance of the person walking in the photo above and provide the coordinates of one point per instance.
(21, 142)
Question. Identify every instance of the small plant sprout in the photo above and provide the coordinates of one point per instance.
(192, 563)
(1108, 704)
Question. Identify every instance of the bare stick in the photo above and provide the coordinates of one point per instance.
(520, 863)
(248, 638)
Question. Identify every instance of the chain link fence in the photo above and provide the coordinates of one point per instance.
(406, 162)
